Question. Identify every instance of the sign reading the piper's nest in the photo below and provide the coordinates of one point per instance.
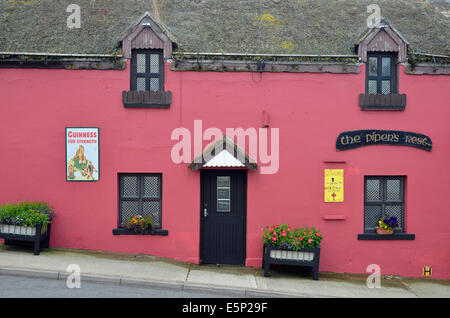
(334, 185)
(359, 138)
(82, 154)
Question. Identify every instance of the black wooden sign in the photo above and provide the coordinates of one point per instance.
(359, 138)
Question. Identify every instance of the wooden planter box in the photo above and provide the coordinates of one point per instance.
(39, 235)
(305, 257)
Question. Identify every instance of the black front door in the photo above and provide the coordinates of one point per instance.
(223, 216)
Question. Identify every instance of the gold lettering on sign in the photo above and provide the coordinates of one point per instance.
(376, 138)
(417, 140)
(349, 140)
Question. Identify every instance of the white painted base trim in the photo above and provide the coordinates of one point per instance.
(292, 255)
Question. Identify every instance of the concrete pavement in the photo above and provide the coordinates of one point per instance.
(145, 270)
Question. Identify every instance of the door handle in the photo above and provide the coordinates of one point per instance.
(205, 212)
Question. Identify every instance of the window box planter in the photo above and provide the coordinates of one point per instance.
(381, 231)
(124, 231)
(382, 102)
(304, 257)
(39, 235)
(149, 99)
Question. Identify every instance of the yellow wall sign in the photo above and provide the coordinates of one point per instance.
(334, 185)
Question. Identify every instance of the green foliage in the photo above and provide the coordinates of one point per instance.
(282, 235)
(26, 213)
(139, 224)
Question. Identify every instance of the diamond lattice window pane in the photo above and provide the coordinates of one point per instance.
(373, 70)
(372, 214)
(130, 187)
(386, 66)
(385, 87)
(153, 209)
(151, 187)
(395, 210)
(393, 191)
(128, 210)
(140, 83)
(373, 192)
(154, 84)
(140, 63)
(372, 87)
(154, 63)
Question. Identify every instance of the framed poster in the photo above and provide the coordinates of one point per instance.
(82, 154)
(334, 185)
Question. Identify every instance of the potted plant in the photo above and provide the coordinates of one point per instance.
(288, 246)
(387, 225)
(140, 224)
(26, 222)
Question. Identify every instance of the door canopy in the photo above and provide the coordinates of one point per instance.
(224, 153)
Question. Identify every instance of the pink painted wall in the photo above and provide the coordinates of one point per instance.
(309, 109)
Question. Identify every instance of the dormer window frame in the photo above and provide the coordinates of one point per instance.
(380, 76)
(148, 75)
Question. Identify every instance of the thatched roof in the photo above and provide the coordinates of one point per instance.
(237, 26)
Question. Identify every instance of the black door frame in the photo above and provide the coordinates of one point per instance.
(203, 219)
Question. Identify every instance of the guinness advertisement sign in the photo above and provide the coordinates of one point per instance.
(359, 138)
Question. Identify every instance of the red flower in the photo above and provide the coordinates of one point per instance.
(310, 240)
(318, 234)
(283, 233)
(274, 238)
(310, 233)
(300, 238)
(270, 230)
(305, 233)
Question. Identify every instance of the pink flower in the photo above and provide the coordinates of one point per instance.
(310, 233)
(274, 238)
(283, 233)
(270, 230)
(300, 238)
(318, 234)
(309, 241)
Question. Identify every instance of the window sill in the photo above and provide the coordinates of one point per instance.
(391, 237)
(382, 102)
(122, 231)
(146, 99)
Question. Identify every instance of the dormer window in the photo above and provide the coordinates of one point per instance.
(381, 74)
(148, 44)
(382, 49)
(147, 70)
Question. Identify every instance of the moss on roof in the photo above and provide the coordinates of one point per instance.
(238, 26)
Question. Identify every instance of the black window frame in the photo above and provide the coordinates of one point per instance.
(384, 202)
(140, 199)
(379, 77)
(147, 75)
